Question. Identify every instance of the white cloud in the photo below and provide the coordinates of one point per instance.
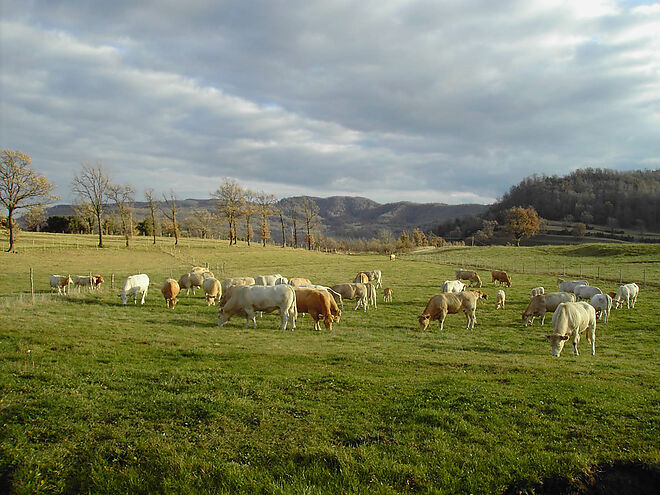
(398, 100)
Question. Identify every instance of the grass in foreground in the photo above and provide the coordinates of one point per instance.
(97, 397)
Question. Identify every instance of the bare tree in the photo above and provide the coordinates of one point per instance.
(150, 195)
(265, 207)
(310, 212)
(84, 211)
(124, 196)
(229, 204)
(280, 211)
(201, 221)
(248, 211)
(170, 213)
(93, 186)
(21, 187)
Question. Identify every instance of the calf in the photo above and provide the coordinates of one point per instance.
(501, 299)
(387, 294)
(500, 277)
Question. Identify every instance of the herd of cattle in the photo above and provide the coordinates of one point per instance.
(575, 307)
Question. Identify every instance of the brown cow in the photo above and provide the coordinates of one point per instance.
(501, 277)
(317, 304)
(170, 290)
(387, 294)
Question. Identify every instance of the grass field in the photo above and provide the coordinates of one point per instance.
(96, 397)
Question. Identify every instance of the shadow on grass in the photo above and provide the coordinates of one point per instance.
(617, 478)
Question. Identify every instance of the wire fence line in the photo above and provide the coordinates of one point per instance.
(644, 274)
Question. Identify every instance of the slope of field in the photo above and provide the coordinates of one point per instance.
(102, 398)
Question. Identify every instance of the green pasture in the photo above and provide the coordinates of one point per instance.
(96, 397)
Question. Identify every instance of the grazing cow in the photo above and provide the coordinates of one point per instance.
(628, 293)
(248, 299)
(359, 292)
(569, 320)
(376, 276)
(212, 290)
(134, 285)
(392, 257)
(501, 299)
(540, 305)
(602, 303)
(170, 290)
(361, 278)
(452, 286)
(61, 283)
(501, 277)
(299, 281)
(570, 285)
(229, 282)
(536, 291)
(440, 305)
(192, 280)
(275, 279)
(335, 295)
(316, 303)
(371, 289)
(89, 281)
(586, 292)
(387, 294)
(470, 275)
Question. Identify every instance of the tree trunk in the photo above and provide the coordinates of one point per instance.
(10, 221)
(153, 225)
(98, 221)
(283, 232)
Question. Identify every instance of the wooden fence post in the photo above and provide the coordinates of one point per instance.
(32, 284)
(112, 281)
(620, 275)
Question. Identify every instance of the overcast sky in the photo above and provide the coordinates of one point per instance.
(426, 101)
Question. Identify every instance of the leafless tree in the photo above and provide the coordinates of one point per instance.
(150, 196)
(310, 212)
(170, 213)
(93, 187)
(230, 202)
(265, 208)
(123, 196)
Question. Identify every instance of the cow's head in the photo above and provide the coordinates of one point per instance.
(124, 298)
(556, 343)
(424, 321)
(526, 318)
(172, 302)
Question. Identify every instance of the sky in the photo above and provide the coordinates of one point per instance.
(448, 101)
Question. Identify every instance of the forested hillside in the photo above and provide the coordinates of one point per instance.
(593, 196)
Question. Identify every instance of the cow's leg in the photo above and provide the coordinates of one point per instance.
(543, 319)
(357, 304)
(441, 321)
(576, 341)
(144, 294)
(592, 338)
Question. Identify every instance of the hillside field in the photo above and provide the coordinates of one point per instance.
(96, 397)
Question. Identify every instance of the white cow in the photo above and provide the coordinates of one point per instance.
(586, 292)
(570, 285)
(569, 320)
(602, 303)
(452, 286)
(501, 299)
(536, 291)
(628, 293)
(60, 282)
(275, 279)
(248, 299)
(134, 285)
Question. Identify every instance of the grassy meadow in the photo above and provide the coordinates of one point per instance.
(96, 397)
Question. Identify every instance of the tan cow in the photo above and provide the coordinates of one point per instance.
(212, 290)
(470, 275)
(500, 277)
(359, 292)
(361, 278)
(170, 290)
(540, 305)
(392, 257)
(299, 281)
(89, 281)
(249, 299)
(440, 305)
(387, 294)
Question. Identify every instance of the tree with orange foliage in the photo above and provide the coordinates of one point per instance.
(521, 222)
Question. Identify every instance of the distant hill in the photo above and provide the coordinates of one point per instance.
(341, 216)
(592, 196)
